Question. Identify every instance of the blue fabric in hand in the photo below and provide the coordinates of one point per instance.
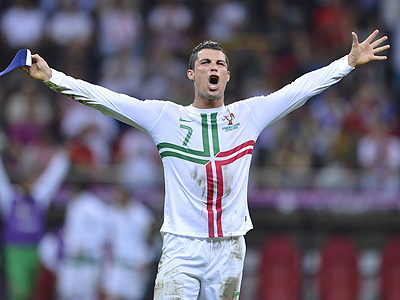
(22, 58)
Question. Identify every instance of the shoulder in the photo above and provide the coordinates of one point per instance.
(244, 104)
(163, 104)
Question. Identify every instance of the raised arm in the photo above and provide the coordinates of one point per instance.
(48, 183)
(362, 53)
(273, 107)
(6, 189)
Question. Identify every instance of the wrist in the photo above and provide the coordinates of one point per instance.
(351, 61)
(47, 75)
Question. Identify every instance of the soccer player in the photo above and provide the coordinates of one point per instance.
(206, 149)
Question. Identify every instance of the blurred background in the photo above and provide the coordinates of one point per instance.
(325, 181)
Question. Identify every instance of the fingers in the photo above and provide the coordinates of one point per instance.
(379, 41)
(372, 36)
(355, 38)
(35, 56)
(380, 57)
(24, 69)
(380, 49)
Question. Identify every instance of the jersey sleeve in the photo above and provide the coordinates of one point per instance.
(130, 110)
(269, 109)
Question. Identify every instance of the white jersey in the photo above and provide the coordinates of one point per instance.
(206, 153)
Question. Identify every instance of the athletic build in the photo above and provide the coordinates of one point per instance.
(206, 150)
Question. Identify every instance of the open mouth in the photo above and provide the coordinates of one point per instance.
(213, 82)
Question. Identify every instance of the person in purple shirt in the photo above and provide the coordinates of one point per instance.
(23, 211)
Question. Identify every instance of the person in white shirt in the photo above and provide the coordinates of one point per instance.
(127, 271)
(206, 150)
(84, 236)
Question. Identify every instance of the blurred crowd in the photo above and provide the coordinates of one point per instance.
(141, 48)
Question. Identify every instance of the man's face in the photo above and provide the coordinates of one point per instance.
(210, 74)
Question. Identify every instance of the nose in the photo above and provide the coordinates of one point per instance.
(214, 66)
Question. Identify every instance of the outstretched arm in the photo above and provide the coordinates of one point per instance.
(267, 110)
(140, 114)
(362, 53)
(39, 70)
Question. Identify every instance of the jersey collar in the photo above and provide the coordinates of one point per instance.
(193, 109)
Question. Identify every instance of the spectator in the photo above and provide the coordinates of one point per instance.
(170, 23)
(94, 130)
(164, 75)
(331, 21)
(71, 33)
(127, 273)
(28, 115)
(227, 20)
(71, 26)
(138, 162)
(50, 253)
(390, 10)
(22, 25)
(379, 156)
(84, 236)
(24, 211)
(50, 6)
(121, 27)
(121, 72)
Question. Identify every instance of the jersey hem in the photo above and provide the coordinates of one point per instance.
(238, 233)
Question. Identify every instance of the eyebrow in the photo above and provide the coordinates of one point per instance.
(209, 60)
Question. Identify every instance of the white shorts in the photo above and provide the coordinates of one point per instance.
(200, 268)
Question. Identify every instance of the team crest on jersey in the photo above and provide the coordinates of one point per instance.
(230, 126)
(229, 118)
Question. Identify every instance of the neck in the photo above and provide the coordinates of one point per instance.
(202, 102)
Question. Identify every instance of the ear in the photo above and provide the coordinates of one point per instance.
(229, 76)
(190, 74)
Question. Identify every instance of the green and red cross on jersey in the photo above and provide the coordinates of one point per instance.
(213, 159)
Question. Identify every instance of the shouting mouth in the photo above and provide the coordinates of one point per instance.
(213, 82)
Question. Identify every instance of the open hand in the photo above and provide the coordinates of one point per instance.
(39, 69)
(362, 53)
